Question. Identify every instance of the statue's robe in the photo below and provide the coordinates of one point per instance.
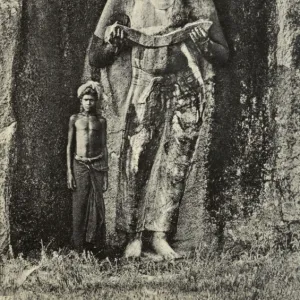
(162, 106)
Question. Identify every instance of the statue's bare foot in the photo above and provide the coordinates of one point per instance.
(162, 248)
(133, 249)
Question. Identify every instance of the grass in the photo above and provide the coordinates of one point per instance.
(204, 275)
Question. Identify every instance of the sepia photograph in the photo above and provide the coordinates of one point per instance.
(150, 149)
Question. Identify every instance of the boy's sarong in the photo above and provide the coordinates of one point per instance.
(88, 203)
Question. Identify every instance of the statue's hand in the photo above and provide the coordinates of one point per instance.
(71, 182)
(114, 35)
(105, 182)
(199, 35)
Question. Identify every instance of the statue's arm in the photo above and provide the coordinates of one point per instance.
(102, 53)
(70, 147)
(211, 45)
(217, 48)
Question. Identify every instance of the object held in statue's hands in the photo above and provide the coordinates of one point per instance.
(157, 41)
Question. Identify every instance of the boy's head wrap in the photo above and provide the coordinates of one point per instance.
(94, 85)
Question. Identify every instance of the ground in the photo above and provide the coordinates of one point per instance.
(203, 275)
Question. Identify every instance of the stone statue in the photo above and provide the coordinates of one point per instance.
(171, 41)
(87, 170)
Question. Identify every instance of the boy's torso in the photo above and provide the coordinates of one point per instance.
(89, 135)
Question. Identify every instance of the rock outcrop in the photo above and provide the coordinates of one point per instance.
(48, 66)
(244, 185)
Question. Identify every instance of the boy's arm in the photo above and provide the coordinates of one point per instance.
(105, 153)
(71, 133)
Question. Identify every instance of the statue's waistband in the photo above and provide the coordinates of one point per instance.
(88, 159)
(141, 77)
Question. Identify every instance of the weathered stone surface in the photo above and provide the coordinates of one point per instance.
(7, 158)
(264, 183)
(113, 103)
(240, 137)
(10, 15)
(245, 180)
(285, 98)
(48, 68)
(235, 147)
(115, 81)
(251, 172)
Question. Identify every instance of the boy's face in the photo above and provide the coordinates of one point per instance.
(88, 103)
(162, 4)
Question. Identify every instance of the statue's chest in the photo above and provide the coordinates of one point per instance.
(154, 22)
(145, 17)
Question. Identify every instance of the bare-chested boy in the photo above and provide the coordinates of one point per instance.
(87, 170)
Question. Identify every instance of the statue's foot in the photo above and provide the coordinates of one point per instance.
(162, 248)
(133, 249)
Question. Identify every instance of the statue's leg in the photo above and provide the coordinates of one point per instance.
(141, 140)
(134, 246)
(130, 187)
(169, 173)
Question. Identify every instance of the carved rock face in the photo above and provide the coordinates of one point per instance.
(162, 4)
(41, 136)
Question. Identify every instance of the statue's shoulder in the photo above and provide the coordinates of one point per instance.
(118, 10)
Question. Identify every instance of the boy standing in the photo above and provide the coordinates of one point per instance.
(87, 166)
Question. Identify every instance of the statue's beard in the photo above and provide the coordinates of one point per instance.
(175, 17)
